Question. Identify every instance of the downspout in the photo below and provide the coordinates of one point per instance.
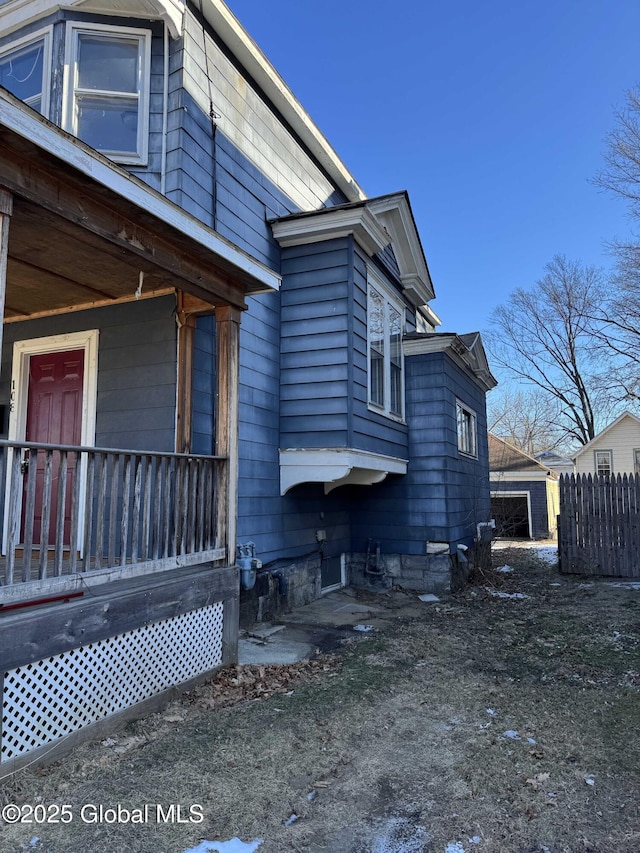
(165, 111)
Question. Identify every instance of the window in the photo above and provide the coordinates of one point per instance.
(604, 464)
(467, 430)
(636, 461)
(107, 97)
(24, 71)
(384, 321)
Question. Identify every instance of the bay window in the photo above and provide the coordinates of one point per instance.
(24, 71)
(107, 98)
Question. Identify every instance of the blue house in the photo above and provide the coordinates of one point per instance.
(212, 338)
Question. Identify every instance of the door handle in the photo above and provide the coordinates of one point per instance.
(24, 465)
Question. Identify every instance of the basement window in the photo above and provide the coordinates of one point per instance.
(107, 90)
(24, 71)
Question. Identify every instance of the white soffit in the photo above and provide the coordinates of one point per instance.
(335, 467)
(16, 13)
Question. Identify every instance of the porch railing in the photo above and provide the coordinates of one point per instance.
(86, 511)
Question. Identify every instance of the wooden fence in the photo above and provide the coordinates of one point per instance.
(599, 525)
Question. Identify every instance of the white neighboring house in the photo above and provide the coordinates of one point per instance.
(615, 450)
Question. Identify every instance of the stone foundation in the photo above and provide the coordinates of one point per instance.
(278, 590)
(436, 573)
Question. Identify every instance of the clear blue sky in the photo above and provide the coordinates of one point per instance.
(491, 113)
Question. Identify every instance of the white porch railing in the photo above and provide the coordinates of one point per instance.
(73, 512)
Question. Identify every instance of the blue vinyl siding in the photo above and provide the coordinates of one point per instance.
(444, 494)
(136, 369)
(324, 371)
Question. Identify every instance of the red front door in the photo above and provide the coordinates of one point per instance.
(54, 416)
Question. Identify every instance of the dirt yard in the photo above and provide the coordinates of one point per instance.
(492, 723)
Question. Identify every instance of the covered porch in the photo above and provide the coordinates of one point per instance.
(110, 549)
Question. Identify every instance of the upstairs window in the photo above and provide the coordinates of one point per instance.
(24, 71)
(107, 98)
(467, 424)
(386, 383)
(604, 462)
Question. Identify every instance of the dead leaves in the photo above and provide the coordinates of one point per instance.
(237, 683)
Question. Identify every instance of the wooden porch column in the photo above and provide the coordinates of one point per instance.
(227, 378)
(186, 333)
(6, 209)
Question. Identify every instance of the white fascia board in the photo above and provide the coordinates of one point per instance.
(332, 223)
(28, 124)
(256, 63)
(335, 466)
(394, 213)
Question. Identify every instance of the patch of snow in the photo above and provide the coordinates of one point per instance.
(555, 584)
(475, 840)
(626, 584)
(454, 847)
(292, 819)
(491, 712)
(496, 593)
(363, 628)
(234, 845)
(511, 734)
(532, 741)
(590, 780)
(428, 596)
(549, 554)
(504, 569)
(400, 835)
(34, 841)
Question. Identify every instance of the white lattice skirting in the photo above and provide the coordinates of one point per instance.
(48, 699)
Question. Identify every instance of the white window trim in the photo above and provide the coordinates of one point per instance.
(389, 299)
(22, 352)
(75, 29)
(595, 461)
(44, 35)
(468, 410)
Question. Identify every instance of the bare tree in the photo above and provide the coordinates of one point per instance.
(549, 337)
(620, 312)
(527, 419)
(621, 174)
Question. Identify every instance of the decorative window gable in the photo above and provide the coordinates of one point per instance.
(107, 89)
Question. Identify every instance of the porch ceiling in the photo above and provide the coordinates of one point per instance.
(53, 265)
(82, 230)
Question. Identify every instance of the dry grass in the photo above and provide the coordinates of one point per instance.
(401, 747)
